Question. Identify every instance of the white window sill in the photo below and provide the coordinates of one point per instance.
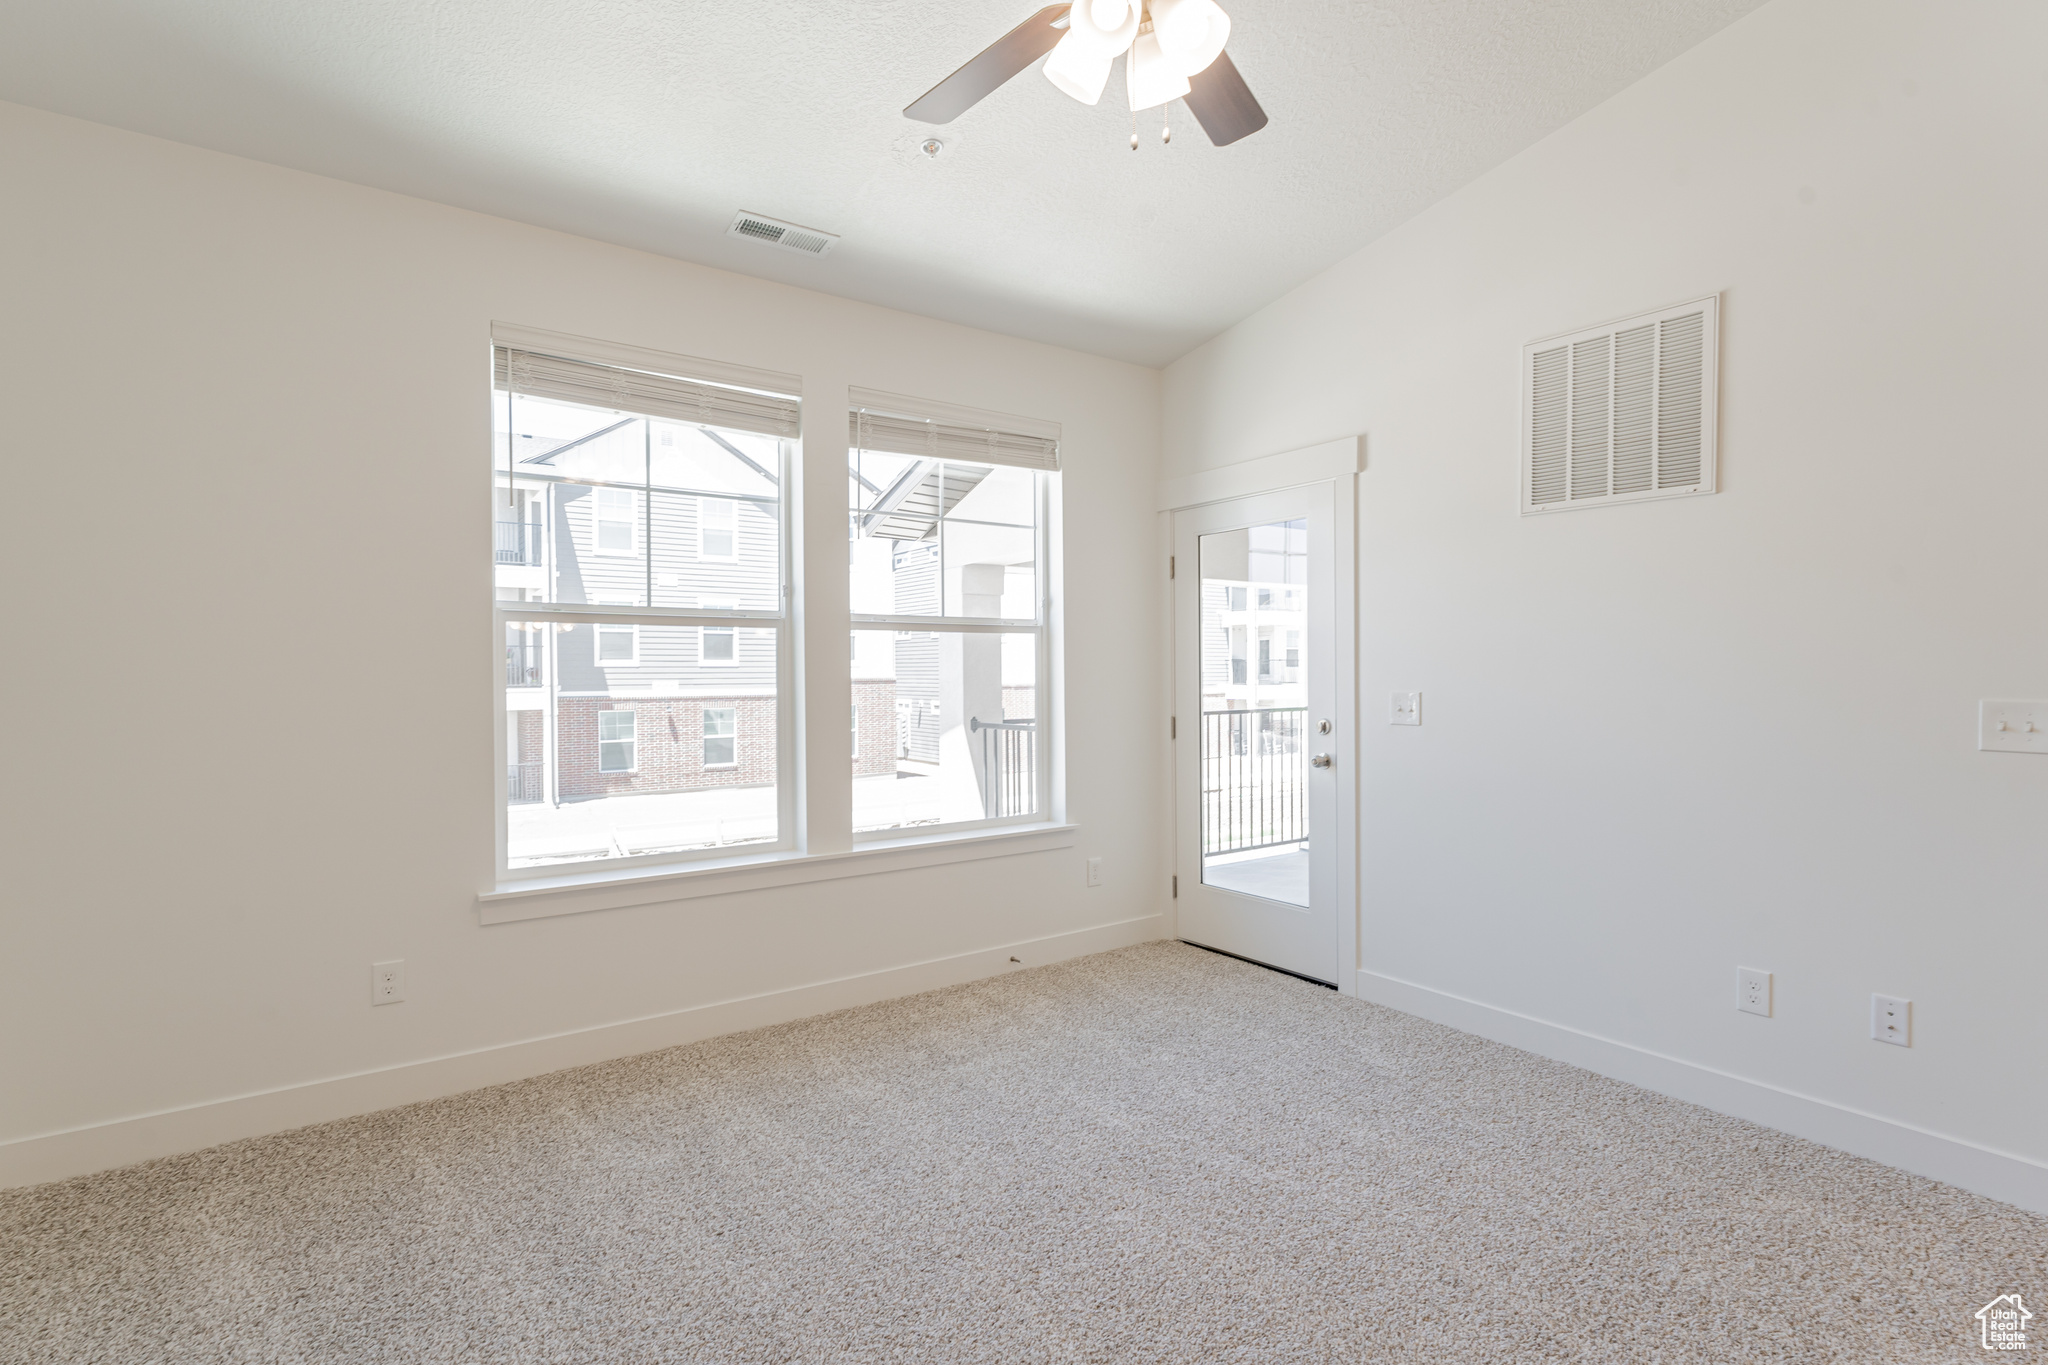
(578, 893)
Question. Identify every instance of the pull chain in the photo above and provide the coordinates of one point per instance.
(1134, 130)
(1165, 128)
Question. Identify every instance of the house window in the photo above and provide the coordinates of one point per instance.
(949, 530)
(616, 517)
(1293, 650)
(616, 742)
(640, 469)
(617, 645)
(717, 528)
(721, 735)
(1236, 599)
(1265, 655)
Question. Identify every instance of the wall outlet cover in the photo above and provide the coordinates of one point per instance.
(1753, 991)
(387, 982)
(1891, 1020)
(1095, 872)
(1407, 709)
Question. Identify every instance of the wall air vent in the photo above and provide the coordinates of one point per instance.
(1623, 412)
(788, 236)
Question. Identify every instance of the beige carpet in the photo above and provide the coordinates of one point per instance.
(1156, 1154)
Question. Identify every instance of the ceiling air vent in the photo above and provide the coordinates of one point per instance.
(788, 236)
(1623, 412)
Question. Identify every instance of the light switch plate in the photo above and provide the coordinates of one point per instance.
(1891, 1020)
(1753, 991)
(2013, 727)
(1407, 709)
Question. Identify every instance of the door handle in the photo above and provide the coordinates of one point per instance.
(1320, 761)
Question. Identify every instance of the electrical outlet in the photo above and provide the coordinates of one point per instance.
(387, 982)
(1407, 709)
(1891, 1020)
(1753, 991)
(1095, 872)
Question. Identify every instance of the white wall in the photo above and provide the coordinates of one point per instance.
(1663, 740)
(249, 694)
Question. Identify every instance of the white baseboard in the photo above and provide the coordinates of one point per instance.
(120, 1142)
(1956, 1161)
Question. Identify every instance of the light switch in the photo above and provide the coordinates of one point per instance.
(1407, 709)
(2013, 727)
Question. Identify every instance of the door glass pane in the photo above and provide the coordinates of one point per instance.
(622, 740)
(1254, 729)
(946, 727)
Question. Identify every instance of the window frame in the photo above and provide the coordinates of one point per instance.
(732, 503)
(1042, 626)
(795, 856)
(635, 515)
(704, 738)
(633, 716)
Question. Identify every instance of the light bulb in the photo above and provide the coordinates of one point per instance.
(1098, 39)
(1151, 80)
(1109, 14)
(1191, 32)
(1077, 71)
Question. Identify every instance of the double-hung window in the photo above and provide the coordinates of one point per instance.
(647, 614)
(949, 524)
(652, 492)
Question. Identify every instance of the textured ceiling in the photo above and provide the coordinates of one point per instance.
(649, 122)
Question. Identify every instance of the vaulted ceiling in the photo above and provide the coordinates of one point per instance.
(650, 122)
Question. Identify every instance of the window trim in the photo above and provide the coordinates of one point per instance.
(704, 738)
(634, 517)
(630, 714)
(1044, 629)
(599, 629)
(734, 504)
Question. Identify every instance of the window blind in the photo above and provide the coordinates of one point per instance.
(892, 434)
(648, 394)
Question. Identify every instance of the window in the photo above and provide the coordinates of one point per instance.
(1293, 650)
(632, 698)
(642, 591)
(617, 644)
(717, 528)
(1265, 654)
(615, 518)
(615, 742)
(721, 737)
(1236, 599)
(948, 524)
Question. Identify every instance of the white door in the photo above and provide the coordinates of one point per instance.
(1256, 729)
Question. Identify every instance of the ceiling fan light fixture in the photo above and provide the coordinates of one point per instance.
(1076, 70)
(1152, 79)
(1191, 32)
(1099, 40)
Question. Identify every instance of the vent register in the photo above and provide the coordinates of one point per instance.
(1623, 412)
(775, 232)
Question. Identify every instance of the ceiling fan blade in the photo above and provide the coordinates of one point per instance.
(1002, 59)
(1222, 103)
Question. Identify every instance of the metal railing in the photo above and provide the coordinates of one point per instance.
(1009, 766)
(1254, 778)
(516, 542)
(523, 661)
(522, 783)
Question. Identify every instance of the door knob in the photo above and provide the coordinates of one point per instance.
(1320, 761)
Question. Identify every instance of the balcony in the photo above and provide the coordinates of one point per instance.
(1009, 766)
(523, 660)
(1254, 779)
(516, 542)
(522, 783)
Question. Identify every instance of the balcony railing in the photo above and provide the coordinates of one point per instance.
(1254, 778)
(523, 661)
(522, 783)
(517, 542)
(1009, 766)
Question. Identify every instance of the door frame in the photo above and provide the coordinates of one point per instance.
(1338, 463)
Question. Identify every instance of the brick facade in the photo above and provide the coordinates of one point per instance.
(669, 745)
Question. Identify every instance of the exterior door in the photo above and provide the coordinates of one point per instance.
(1256, 729)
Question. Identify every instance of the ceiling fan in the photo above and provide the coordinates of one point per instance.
(1172, 49)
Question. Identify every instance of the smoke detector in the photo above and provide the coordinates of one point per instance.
(774, 232)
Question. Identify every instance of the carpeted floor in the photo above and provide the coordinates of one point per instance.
(1156, 1154)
